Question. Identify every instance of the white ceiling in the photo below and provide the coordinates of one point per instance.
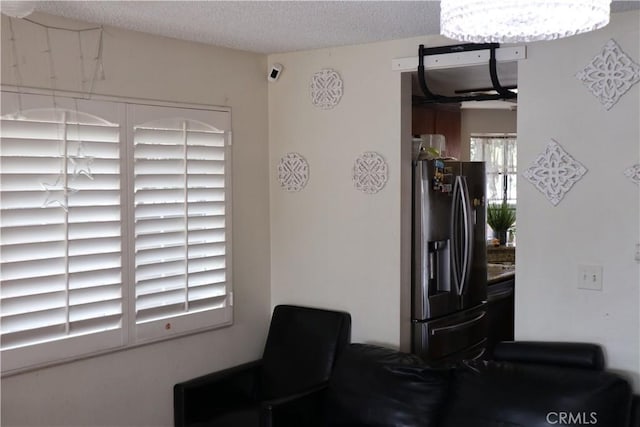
(261, 26)
(267, 26)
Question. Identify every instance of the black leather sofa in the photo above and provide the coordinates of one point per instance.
(529, 384)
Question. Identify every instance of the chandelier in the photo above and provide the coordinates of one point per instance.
(512, 21)
(17, 9)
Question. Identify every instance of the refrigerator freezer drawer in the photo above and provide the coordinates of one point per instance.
(475, 352)
(450, 335)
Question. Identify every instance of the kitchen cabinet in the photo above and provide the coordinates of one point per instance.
(501, 302)
(443, 119)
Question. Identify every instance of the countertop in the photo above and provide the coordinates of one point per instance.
(500, 272)
(501, 254)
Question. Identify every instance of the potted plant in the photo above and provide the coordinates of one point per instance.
(501, 218)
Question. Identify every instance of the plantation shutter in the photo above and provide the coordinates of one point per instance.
(181, 203)
(61, 263)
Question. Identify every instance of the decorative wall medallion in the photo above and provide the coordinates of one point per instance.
(633, 173)
(610, 74)
(326, 89)
(293, 172)
(554, 172)
(370, 172)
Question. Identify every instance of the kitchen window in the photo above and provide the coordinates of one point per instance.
(500, 154)
(115, 225)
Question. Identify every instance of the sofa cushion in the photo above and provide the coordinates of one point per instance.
(375, 386)
(575, 355)
(492, 394)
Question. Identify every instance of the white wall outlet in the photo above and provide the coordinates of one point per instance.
(590, 277)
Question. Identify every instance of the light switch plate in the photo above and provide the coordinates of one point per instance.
(590, 277)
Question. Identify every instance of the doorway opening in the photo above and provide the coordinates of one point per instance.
(473, 131)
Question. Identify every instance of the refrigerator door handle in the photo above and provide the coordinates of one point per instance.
(468, 234)
(455, 239)
(421, 290)
(461, 223)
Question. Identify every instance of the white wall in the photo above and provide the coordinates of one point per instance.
(335, 247)
(598, 220)
(331, 245)
(134, 387)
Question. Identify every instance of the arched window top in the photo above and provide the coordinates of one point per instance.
(58, 115)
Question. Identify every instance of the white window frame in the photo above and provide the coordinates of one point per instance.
(130, 335)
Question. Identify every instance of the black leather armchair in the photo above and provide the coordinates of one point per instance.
(302, 346)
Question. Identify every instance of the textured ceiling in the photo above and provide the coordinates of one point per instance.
(268, 26)
(261, 26)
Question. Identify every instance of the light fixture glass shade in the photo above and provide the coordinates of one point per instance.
(16, 9)
(512, 21)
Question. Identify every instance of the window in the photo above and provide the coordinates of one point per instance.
(180, 217)
(500, 155)
(115, 222)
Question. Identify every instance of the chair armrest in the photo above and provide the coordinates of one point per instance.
(576, 355)
(200, 398)
(300, 409)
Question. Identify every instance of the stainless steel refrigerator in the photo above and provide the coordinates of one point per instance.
(449, 261)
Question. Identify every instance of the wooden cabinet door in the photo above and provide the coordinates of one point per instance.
(444, 119)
